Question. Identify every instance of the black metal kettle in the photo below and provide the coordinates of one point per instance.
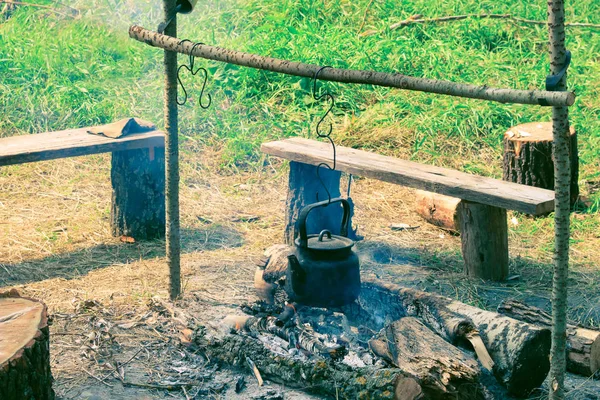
(323, 271)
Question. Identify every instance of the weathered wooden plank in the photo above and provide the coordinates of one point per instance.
(70, 143)
(493, 192)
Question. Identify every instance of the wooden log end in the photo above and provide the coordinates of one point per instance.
(595, 355)
(529, 365)
(438, 210)
(407, 388)
(24, 349)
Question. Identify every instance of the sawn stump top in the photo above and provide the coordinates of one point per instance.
(19, 323)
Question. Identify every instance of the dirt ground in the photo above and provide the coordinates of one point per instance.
(103, 294)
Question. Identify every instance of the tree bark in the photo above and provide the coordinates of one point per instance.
(519, 350)
(528, 157)
(24, 349)
(538, 97)
(484, 240)
(562, 177)
(442, 370)
(439, 210)
(303, 189)
(173, 241)
(138, 199)
(583, 345)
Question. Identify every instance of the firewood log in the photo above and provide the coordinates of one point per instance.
(24, 349)
(270, 270)
(443, 371)
(520, 351)
(336, 380)
(438, 210)
(583, 345)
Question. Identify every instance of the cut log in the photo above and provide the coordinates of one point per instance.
(583, 345)
(438, 210)
(520, 351)
(443, 371)
(484, 240)
(528, 157)
(305, 188)
(24, 349)
(138, 199)
(269, 277)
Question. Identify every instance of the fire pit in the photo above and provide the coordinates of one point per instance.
(391, 343)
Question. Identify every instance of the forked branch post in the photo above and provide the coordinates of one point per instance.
(400, 81)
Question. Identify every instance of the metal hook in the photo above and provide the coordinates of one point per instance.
(190, 68)
(327, 135)
(329, 98)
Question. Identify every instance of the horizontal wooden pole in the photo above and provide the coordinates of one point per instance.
(537, 97)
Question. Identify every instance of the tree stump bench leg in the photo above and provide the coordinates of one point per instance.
(484, 239)
(138, 198)
(305, 188)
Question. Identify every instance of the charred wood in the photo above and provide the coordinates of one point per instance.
(520, 351)
(442, 370)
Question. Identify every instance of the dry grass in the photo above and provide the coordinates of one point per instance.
(57, 247)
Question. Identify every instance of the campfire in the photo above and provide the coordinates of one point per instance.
(389, 343)
(318, 327)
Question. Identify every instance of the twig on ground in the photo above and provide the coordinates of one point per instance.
(449, 18)
(172, 386)
(362, 25)
(187, 397)
(255, 371)
(96, 378)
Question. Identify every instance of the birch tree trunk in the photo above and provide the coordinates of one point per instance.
(172, 156)
(562, 177)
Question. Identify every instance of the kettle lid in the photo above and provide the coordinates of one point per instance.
(326, 241)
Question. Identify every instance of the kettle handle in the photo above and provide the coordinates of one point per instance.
(301, 221)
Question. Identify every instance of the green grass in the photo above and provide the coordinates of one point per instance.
(58, 72)
(87, 71)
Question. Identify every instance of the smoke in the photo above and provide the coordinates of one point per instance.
(120, 14)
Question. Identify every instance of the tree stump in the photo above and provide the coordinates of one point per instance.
(138, 199)
(24, 349)
(528, 158)
(439, 210)
(484, 240)
(305, 188)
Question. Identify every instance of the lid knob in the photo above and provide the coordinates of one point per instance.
(323, 233)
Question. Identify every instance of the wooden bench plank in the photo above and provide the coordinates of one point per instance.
(489, 191)
(70, 143)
